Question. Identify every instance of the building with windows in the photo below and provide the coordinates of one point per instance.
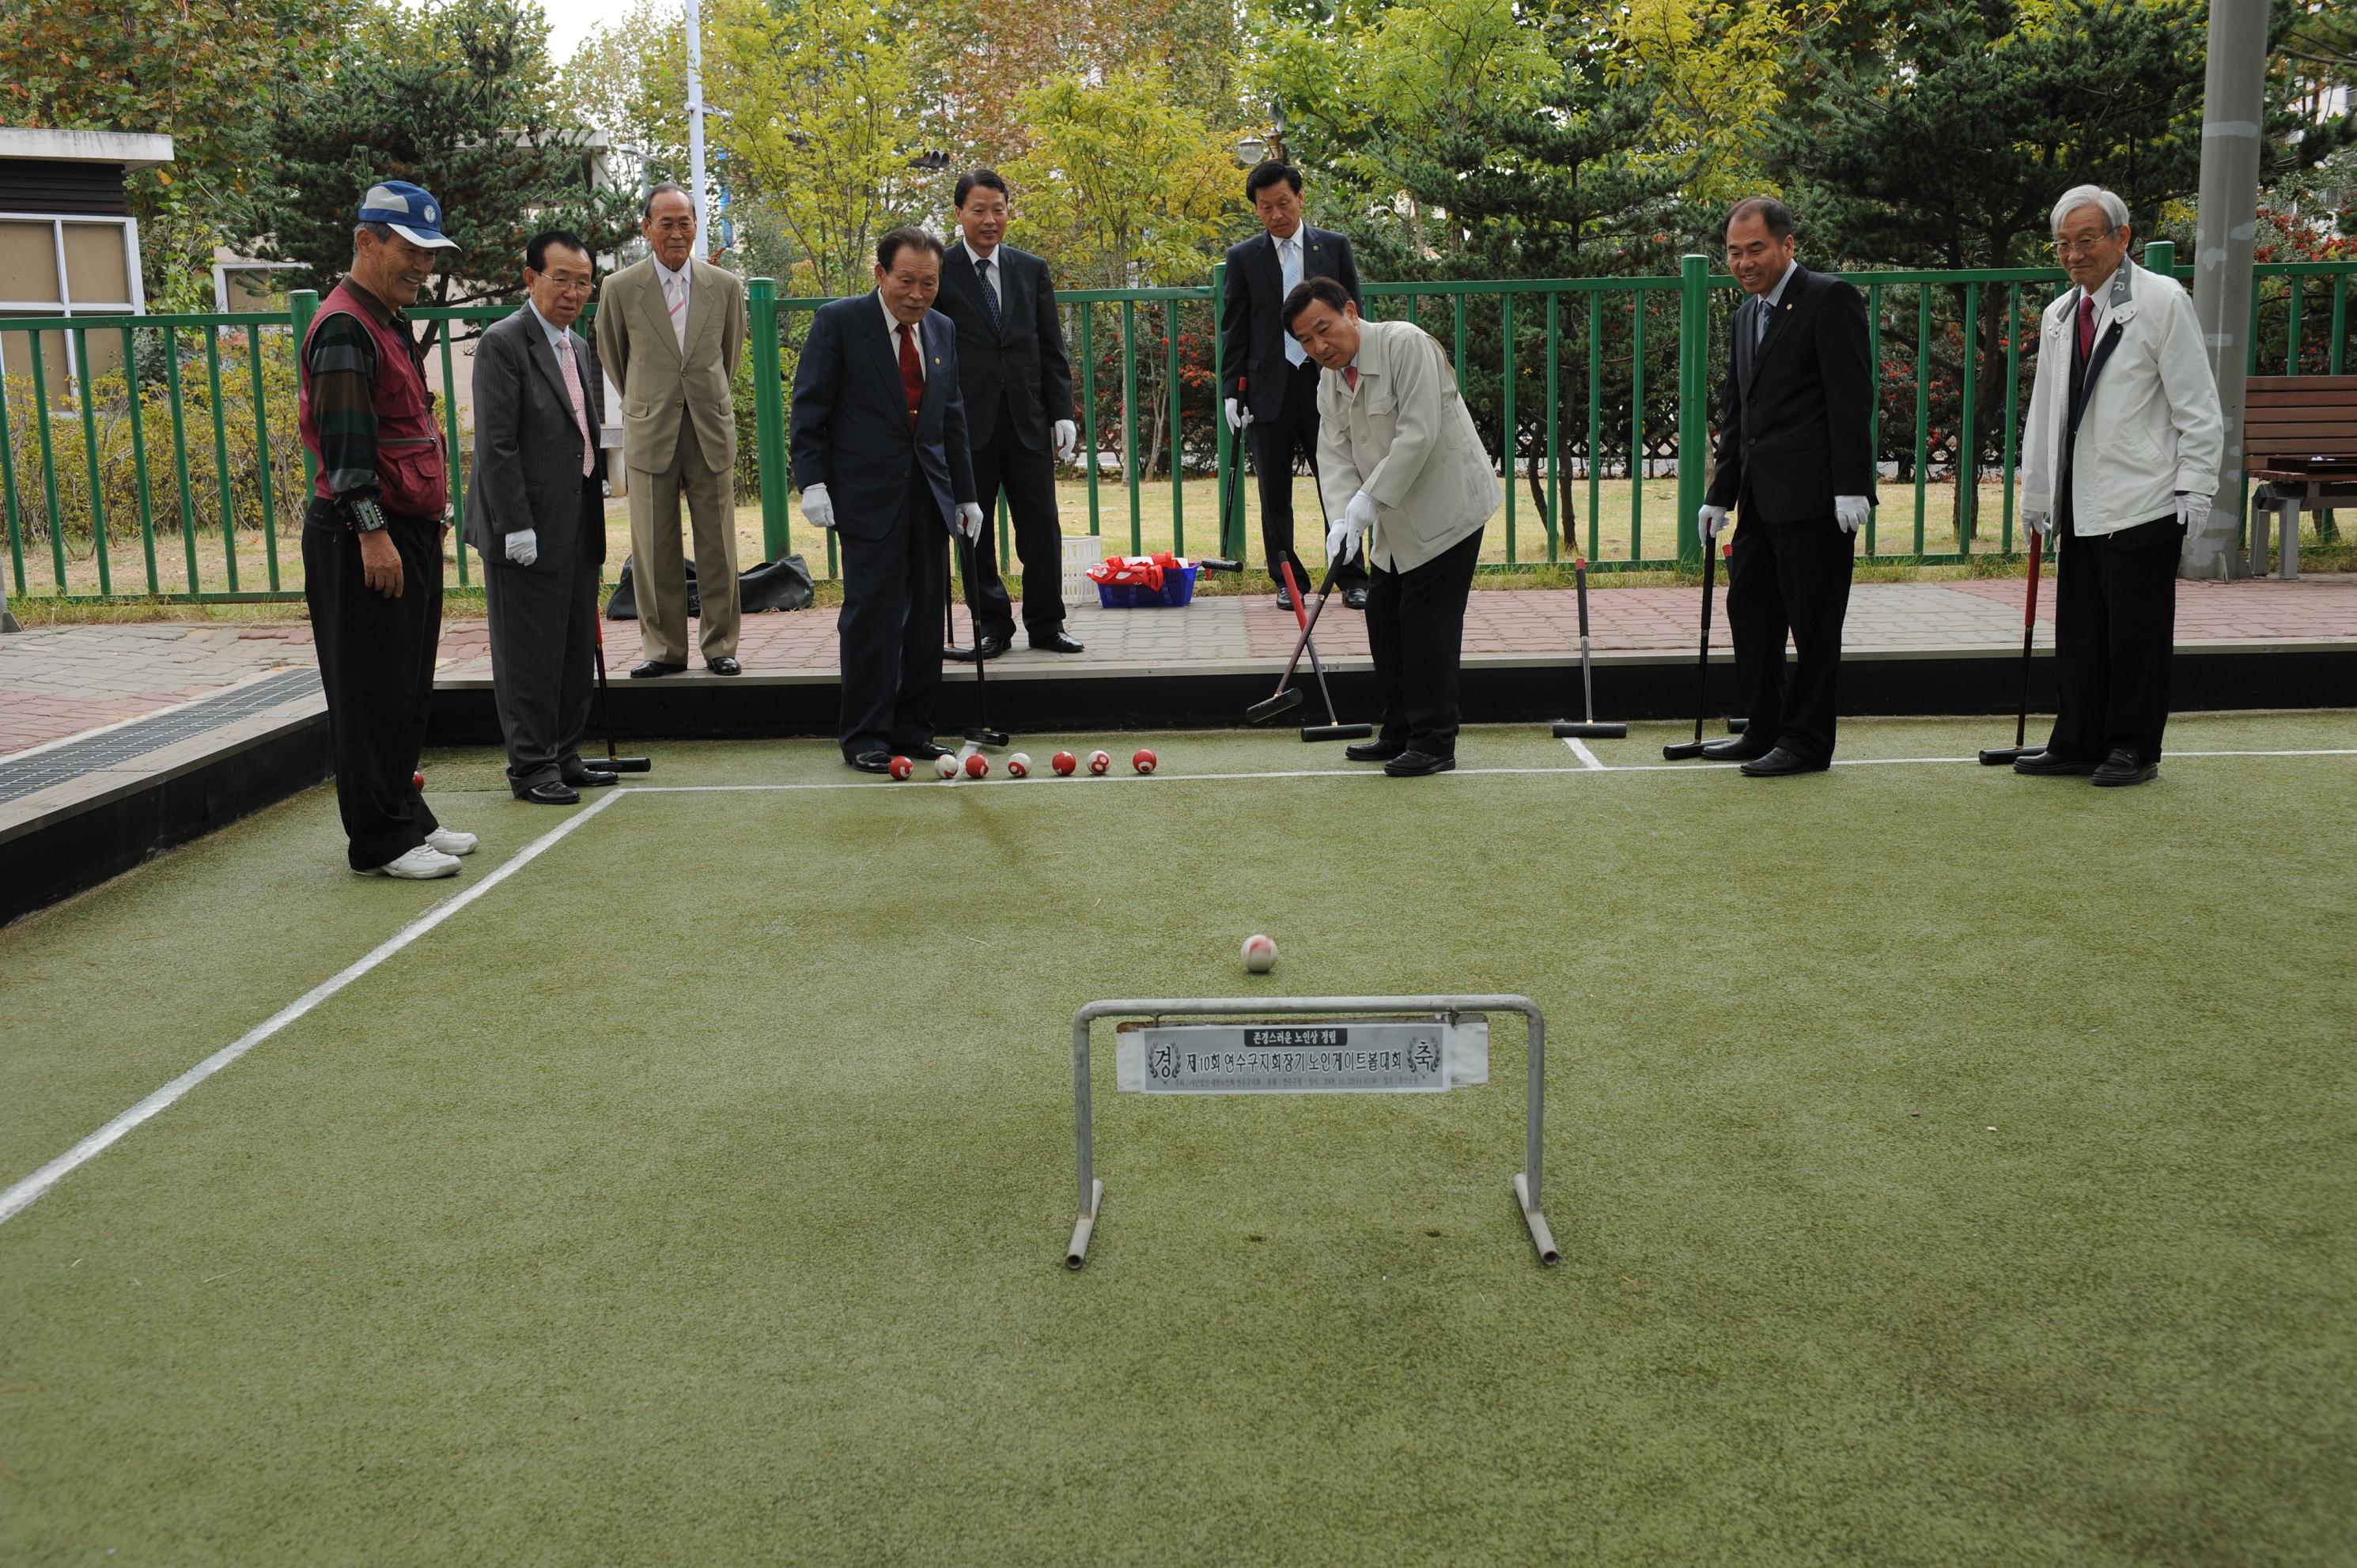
(68, 245)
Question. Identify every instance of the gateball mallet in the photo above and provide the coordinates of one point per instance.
(1288, 696)
(1333, 728)
(1679, 751)
(1588, 728)
(982, 732)
(606, 705)
(2005, 756)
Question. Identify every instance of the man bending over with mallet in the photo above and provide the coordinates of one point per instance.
(1404, 478)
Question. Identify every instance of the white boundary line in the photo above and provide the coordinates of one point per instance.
(21, 1195)
(1587, 758)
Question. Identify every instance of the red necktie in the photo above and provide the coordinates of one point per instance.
(912, 372)
(1350, 374)
(2086, 325)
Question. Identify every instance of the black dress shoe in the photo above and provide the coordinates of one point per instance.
(1736, 748)
(591, 778)
(724, 665)
(1284, 597)
(1416, 763)
(1354, 597)
(2125, 767)
(986, 648)
(873, 762)
(554, 793)
(650, 668)
(2046, 762)
(925, 751)
(1057, 641)
(1780, 763)
(1375, 750)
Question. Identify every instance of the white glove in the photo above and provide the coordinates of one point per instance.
(2194, 511)
(969, 521)
(524, 546)
(818, 506)
(1851, 512)
(1710, 520)
(1341, 542)
(1067, 440)
(1360, 513)
(2040, 523)
(1238, 416)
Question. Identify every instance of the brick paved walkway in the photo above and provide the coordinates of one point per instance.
(57, 682)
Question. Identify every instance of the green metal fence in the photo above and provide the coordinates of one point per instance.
(156, 456)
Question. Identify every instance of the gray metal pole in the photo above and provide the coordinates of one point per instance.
(696, 129)
(2230, 112)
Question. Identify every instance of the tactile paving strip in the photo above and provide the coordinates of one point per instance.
(135, 739)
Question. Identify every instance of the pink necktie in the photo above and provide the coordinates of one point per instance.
(580, 411)
(675, 291)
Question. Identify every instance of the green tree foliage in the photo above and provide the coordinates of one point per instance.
(207, 72)
(628, 81)
(455, 96)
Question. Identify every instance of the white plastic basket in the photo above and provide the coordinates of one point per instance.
(1082, 551)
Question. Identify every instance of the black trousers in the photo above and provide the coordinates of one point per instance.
(1789, 579)
(2114, 627)
(889, 633)
(1415, 629)
(1028, 480)
(376, 663)
(1274, 443)
(544, 629)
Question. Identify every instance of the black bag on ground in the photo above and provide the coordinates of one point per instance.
(782, 585)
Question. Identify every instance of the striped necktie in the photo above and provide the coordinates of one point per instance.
(989, 291)
(675, 294)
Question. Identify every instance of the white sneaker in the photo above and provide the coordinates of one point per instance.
(420, 865)
(450, 841)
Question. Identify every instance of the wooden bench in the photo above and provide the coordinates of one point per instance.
(2300, 440)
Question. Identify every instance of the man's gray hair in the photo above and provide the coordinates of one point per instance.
(2115, 212)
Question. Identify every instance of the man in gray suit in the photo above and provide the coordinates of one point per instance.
(536, 512)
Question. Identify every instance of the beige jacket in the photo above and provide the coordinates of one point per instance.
(658, 385)
(1407, 439)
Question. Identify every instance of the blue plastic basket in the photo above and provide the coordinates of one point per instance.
(1178, 588)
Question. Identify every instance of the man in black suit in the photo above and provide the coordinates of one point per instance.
(536, 512)
(1270, 384)
(1796, 461)
(1019, 410)
(879, 444)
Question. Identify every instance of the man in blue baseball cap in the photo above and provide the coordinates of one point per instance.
(373, 536)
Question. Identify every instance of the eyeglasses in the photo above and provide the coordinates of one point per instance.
(2079, 247)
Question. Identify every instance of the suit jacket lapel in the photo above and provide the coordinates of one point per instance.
(1274, 268)
(537, 348)
(929, 337)
(881, 345)
(1783, 313)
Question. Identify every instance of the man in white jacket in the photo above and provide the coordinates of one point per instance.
(1408, 487)
(2121, 452)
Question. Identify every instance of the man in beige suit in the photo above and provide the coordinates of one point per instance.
(1402, 473)
(670, 330)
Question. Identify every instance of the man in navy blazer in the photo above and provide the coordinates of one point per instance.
(1270, 384)
(879, 444)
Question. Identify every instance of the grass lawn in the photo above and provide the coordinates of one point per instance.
(1949, 1167)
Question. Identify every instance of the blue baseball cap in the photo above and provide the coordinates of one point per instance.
(409, 210)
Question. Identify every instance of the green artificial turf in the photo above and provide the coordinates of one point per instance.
(1949, 1167)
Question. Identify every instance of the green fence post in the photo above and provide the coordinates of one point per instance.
(1223, 444)
(1553, 421)
(769, 413)
(302, 308)
(1595, 420)
(1089, 407)
(139, 455)
(1456, 310)
(1694, 400)
(180, 459)
(2012, 401)
(1874, 413)
(1968, 455)
(2339, 319)
(1129, 421)
(86, 394)
(8, 472)
(1636, 424)
(456, 465)
(1923, 404)
(1513, 440)
(1177, 465)
(261, 451)
(48, 462)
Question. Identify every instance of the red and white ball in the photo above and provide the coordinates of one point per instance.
(903, 767)
(1143, 761)
(1260, 953)
(977, 766)
(1099, 761)
(946, 766)
(1063, 762)
(1018, 765)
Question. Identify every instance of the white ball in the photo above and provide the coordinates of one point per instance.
(1260, 953)
(1019, 765)
(946, 766)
